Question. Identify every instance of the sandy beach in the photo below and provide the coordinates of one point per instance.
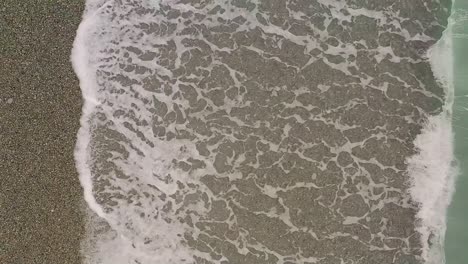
(40, 105)
(247, 132)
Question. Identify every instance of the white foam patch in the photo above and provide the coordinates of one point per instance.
(114, 244)
(83, 50)
(432, 170)
(432, 177)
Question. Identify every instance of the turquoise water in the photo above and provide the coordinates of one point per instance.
(457, 234)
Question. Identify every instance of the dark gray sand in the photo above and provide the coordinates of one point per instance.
(40, 105)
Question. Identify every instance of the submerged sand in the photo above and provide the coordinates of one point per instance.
(40, 106)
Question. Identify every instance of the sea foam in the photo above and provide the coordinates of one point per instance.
(108, 239)
(433, 169)
(119, 234)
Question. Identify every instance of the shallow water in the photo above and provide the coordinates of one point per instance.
(457, 236)
(263, 131)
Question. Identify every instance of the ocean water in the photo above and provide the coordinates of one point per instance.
(457, 237)
(248, 131)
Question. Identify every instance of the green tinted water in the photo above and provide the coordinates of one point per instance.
(456, 247)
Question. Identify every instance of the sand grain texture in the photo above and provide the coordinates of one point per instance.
(40, 105)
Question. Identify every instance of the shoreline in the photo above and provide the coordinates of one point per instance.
(286, 168)
(41, 219)
(44, 220)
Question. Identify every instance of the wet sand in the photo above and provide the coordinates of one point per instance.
(294, 143)
(40, 195)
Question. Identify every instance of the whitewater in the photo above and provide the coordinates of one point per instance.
(265, 131)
